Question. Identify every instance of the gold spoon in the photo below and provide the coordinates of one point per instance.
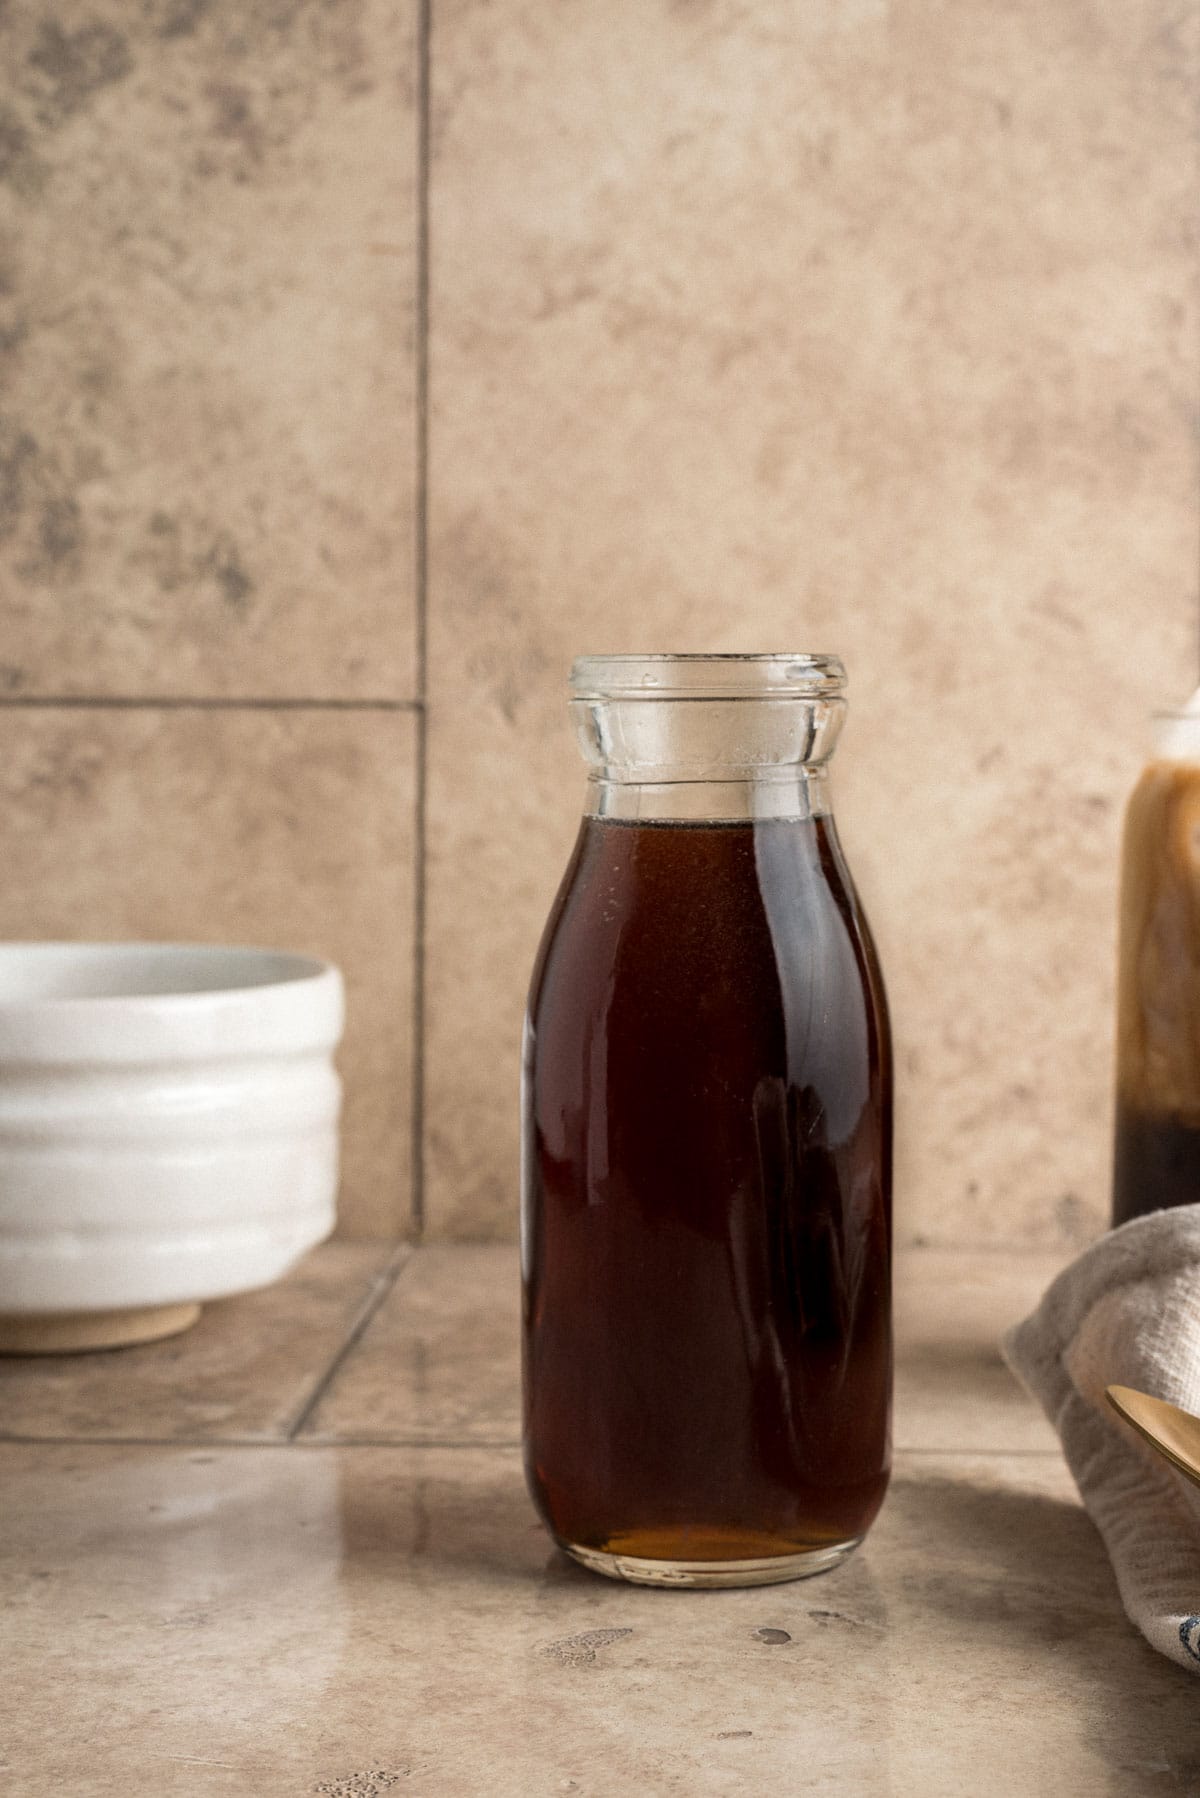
(1175, 1433)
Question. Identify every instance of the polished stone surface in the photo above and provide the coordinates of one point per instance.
(439, 1360)
(249, 1370)
(193, 1621)
(190, 1617)
(860, 325)
(287, 828)
(207, 300)
(435, 1358)
(953, 1392)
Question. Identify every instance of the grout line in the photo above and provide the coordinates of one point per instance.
(168, 702)
(505, 1444)
(20, 1440)
(421, 573)
(987, 1454)
(383, 1285)
(1195, 445)
(1020, 1255)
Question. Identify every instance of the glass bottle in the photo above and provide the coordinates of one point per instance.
(707, 1100)
(1156, 1161)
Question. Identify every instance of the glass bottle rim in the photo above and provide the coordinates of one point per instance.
(773, 675)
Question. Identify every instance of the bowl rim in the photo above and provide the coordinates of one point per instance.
(281, 970)
(298, 1007)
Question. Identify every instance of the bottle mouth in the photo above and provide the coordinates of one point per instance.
(770, 676)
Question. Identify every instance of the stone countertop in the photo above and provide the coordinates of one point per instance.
(291, 1553)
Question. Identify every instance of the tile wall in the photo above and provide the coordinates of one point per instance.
(361, 362)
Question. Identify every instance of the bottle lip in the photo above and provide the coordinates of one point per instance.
(774, 675)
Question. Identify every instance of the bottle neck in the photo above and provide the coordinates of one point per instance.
(663, 756)
(795, 793)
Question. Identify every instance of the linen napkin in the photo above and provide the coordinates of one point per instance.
(1127, 1312)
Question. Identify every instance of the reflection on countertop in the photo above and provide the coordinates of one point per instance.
(292, 1553)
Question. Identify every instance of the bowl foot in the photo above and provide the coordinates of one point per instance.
(74, 1332)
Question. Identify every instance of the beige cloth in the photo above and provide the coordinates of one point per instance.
(1127, 1313)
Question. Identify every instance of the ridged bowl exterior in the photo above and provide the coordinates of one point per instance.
(161, 1146)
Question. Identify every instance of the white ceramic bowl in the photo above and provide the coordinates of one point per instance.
(168, 1132)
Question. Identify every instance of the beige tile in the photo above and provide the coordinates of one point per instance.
(285, 1620)
(287, 828)
(206, 348)
(247, 1370)
(864, 326)
(953, 1392)
(440, 1359)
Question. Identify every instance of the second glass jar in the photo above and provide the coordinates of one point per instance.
(707, 1099)
(1156, 1161)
